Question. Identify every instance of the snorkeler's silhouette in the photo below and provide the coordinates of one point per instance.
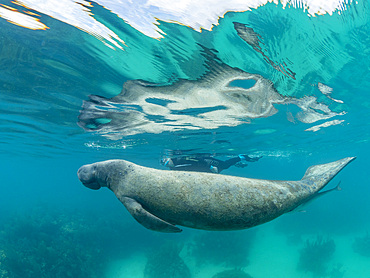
(206, 163)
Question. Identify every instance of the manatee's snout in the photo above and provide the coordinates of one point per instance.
(87, 175)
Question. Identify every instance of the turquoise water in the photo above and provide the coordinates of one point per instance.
(62, 107)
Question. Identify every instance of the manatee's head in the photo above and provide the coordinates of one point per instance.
(102, 174)
(88, 175)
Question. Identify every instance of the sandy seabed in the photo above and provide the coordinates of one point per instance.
(271, 256)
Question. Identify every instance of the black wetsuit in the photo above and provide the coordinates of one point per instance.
(205, 163)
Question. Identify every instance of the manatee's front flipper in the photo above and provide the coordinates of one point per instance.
(147, 219)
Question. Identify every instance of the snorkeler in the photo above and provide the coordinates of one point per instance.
(206, 163)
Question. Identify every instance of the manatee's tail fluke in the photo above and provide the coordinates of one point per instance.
(321, 175)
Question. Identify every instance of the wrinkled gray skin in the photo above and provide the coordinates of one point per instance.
(160, 199)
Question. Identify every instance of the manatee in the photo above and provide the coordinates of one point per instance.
(162, 199)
